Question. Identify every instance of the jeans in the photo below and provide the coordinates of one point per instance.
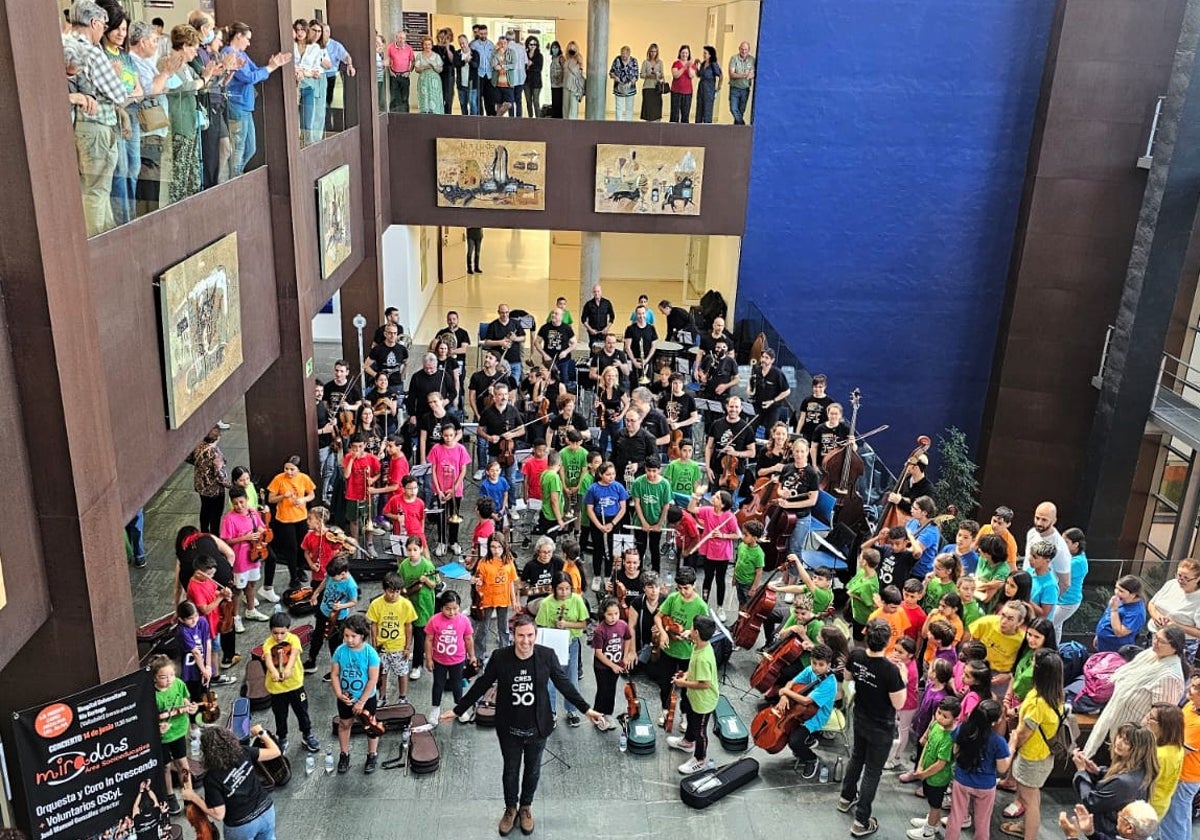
(681, 107)
(568, 374)
(799, 537)
(624, 108)
(473, 246)
(533, 100)
(245, 142)
(125, 176)
(96, 151)
(398, 84)
(312, 110)
(976, 803)
(262, 828)
(518, 100)
(499, 615)
(871, 746)
(1060, 615)
(515, 369)
(1177, 822)
(514, 749)
(468, 100)
(739, 98)
(135, 529)
(328, 460)
(572, 675)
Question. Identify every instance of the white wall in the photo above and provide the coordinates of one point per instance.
(642, 256)
(402, 274)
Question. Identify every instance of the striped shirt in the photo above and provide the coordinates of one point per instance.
(97, 78)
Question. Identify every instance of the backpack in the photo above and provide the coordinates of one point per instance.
(1098, 674)
(1062, 744)
(1074, 655)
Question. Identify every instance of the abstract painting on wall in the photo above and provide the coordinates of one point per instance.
(200, 310)
(658, 180)
(333, 219)
(492, 174)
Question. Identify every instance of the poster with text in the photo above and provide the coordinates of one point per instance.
(91, 763)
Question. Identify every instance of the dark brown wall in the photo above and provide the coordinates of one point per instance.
(125, 264)
(1079, 213)
(570, 173)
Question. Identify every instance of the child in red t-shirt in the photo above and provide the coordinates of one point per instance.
(532, 469)
(318, 548)
(407, 512)
(485, 511)
(360, 469)
(913, 590)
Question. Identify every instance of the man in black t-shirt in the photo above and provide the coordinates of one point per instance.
(879, 693)
(428, 380)
(653, 420)
(730, 435)
(709, 340)
(913, 485)
(799, 490)
(608, 356)
(391, 317)
(597, 316)
(675, 320)
(639, 344)
(769, 391)
(338, 389)
(631, 447)
(506, 335)
(462, 338)
(812, 409)
(718, 373)
(502, 421)
(554, 343)
(390, 357)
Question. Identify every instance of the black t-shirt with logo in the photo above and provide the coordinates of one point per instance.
(894, 567)
(875, 679)
(481, 380)
(560, 425)
(678, 408)
(767, 386)
(390, 360)
(237, 788)
(799, 482)
(521, 709)
(497, 331)
(602, 361)
(534, 573)
(555, 339)
(335, 394)
(737, 434)
(641, 339)
(825, 439)
(719, 372)
(812, 410)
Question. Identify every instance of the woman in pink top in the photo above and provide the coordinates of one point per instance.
(448, 462)
(449, 644)
(717, 550)
(683, 75)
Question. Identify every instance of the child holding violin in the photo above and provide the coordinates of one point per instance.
(810, 687)
(719, 532)
(672, 625)
(612, 657)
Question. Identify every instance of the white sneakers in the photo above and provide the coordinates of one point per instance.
(268, 594)
(479, 475)
(677, 742)
(435, 714)
(440, 551)
(519, 504)
(255, 615)
(457, 550)
(696, 765)
(595, 584)
(238, 625)
(414, 674)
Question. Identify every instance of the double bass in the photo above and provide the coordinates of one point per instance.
(842, 468)
(892, 516)
(772, 728)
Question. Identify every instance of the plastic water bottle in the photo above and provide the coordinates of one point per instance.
(824, 776)
(310, 764)
(328, 762)
(405, 735)
(278, 607)
(195, 742)
(623, 742)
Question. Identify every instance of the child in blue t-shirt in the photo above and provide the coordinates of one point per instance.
(1124, 616)
(355, 672)
(496, 487)
(334, 597)
(981, 755)
(605, 502)
(822, 696)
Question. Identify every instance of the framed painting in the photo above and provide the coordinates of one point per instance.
(333, 219)
(654, 180)
(201, 319)
(492, 174)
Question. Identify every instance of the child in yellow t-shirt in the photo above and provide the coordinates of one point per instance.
(889, 610)
(285, 682)
(392, 616)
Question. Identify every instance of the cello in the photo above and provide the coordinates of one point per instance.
(761, 495)
(773, 662)
(780, 522)
(772, 727)
(892, 516)
(842, 469)
(750, 617)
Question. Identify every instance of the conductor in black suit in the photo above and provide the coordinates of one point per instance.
(523, 716)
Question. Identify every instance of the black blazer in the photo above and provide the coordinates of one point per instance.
(501, 668)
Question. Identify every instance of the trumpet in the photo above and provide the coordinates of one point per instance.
(643, 379)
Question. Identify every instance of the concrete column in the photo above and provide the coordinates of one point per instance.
(390, 18)
(598, 61)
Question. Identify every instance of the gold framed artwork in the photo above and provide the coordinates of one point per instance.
(491, 174)
(653, 180)
(333, 219)
(201, 319)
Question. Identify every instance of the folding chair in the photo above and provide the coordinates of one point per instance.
(839, 721)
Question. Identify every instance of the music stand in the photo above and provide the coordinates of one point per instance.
(724, 631)
(560, 642)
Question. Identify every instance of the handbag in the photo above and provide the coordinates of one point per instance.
(152, 117)
(664, 88)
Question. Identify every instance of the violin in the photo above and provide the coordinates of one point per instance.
(843, 467)
(730, 480)
(892, 515)
(370, 724)
(210, 706)
(759, 608)
(672, 701)
(279, 656)
(771, 666)
(634, 705)
(344, 541)
(346, 422)
(506, 454)
(226, 610)
(672, 628)
(621, 592)
(674, 451)
(260, 548)
(772, 727)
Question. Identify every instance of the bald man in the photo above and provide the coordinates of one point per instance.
(1045, 517)
(1136, 821)
(597, 315)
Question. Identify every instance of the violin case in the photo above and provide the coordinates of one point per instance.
(640, 732)
(423, 753)
(730, 728)
(702, 789)
(296, 601)
(394, 718)
(303, 632)
(485, 709)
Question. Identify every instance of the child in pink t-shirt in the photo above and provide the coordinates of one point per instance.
(448, 463)
(532, 469)
(717, 550)
(449, 645)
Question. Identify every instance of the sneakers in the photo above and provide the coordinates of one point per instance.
(721, 615)
(479, 477)
(595, 584)
(328, 677)
(440, 551)
(918, 822)
(414, 674)
(662, 719)
(223, 426)
(456, 550)
(283, 744)
(844, 805)
(573, 720)
(256, 615)
(808, 769)
(435, 714)
(372, 763)
(233, 660)
(924, 832)
(467, 716)
(519, 505)
(857, 829)
(371, 554)
(383, 701)
(678, 742)
(310, 667)
(139, 562)
(403, 698)
(311, 743)
(238, 625)
(969, 822)
(343, 765)
(268, 594)
(892, 766)
(697, 765)
(224, 679)
(174, 806)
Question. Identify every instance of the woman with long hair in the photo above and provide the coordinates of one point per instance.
(1072, 596)
(1177, 824)
(653, 77)
(556, 73)
(1106, 790)
(709, 75)
(533, 76)
(980, 755)
(1165, 722)
(242, 806)
(312, 60)
(574, 81)
(611, 404)
(1040, 716)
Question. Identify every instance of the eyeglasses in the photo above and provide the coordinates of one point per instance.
(1179, 576)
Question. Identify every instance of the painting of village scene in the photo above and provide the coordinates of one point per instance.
(496, 175)
(333, 219)
(657, 180)
(200, 309)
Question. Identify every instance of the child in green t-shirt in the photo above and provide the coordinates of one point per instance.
(699, 698)
(683, 473)
(175, 708)
(554, 508)
(942, 580)
(862, 589)
(818, 584)
(748, 565)
(574, 464)
(682, 607)
(651, 498)
(936, 768)
(972, 609)
(420, 580)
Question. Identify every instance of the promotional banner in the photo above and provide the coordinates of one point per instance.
(91, 763)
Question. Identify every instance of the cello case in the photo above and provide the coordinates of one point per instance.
(702, 789)
(730, 729)
(640, 732)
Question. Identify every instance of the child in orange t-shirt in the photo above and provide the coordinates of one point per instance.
(495, 576)
(890, 611)
(572, 568)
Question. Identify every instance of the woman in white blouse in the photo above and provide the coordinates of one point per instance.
(311, 64)
(1178, 603)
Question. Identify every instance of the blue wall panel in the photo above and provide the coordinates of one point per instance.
(891, 140)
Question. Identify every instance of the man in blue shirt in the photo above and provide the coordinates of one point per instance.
(484, 48)
(923, 535)
(337, 57)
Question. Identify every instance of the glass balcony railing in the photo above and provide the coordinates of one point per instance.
(328, 105)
